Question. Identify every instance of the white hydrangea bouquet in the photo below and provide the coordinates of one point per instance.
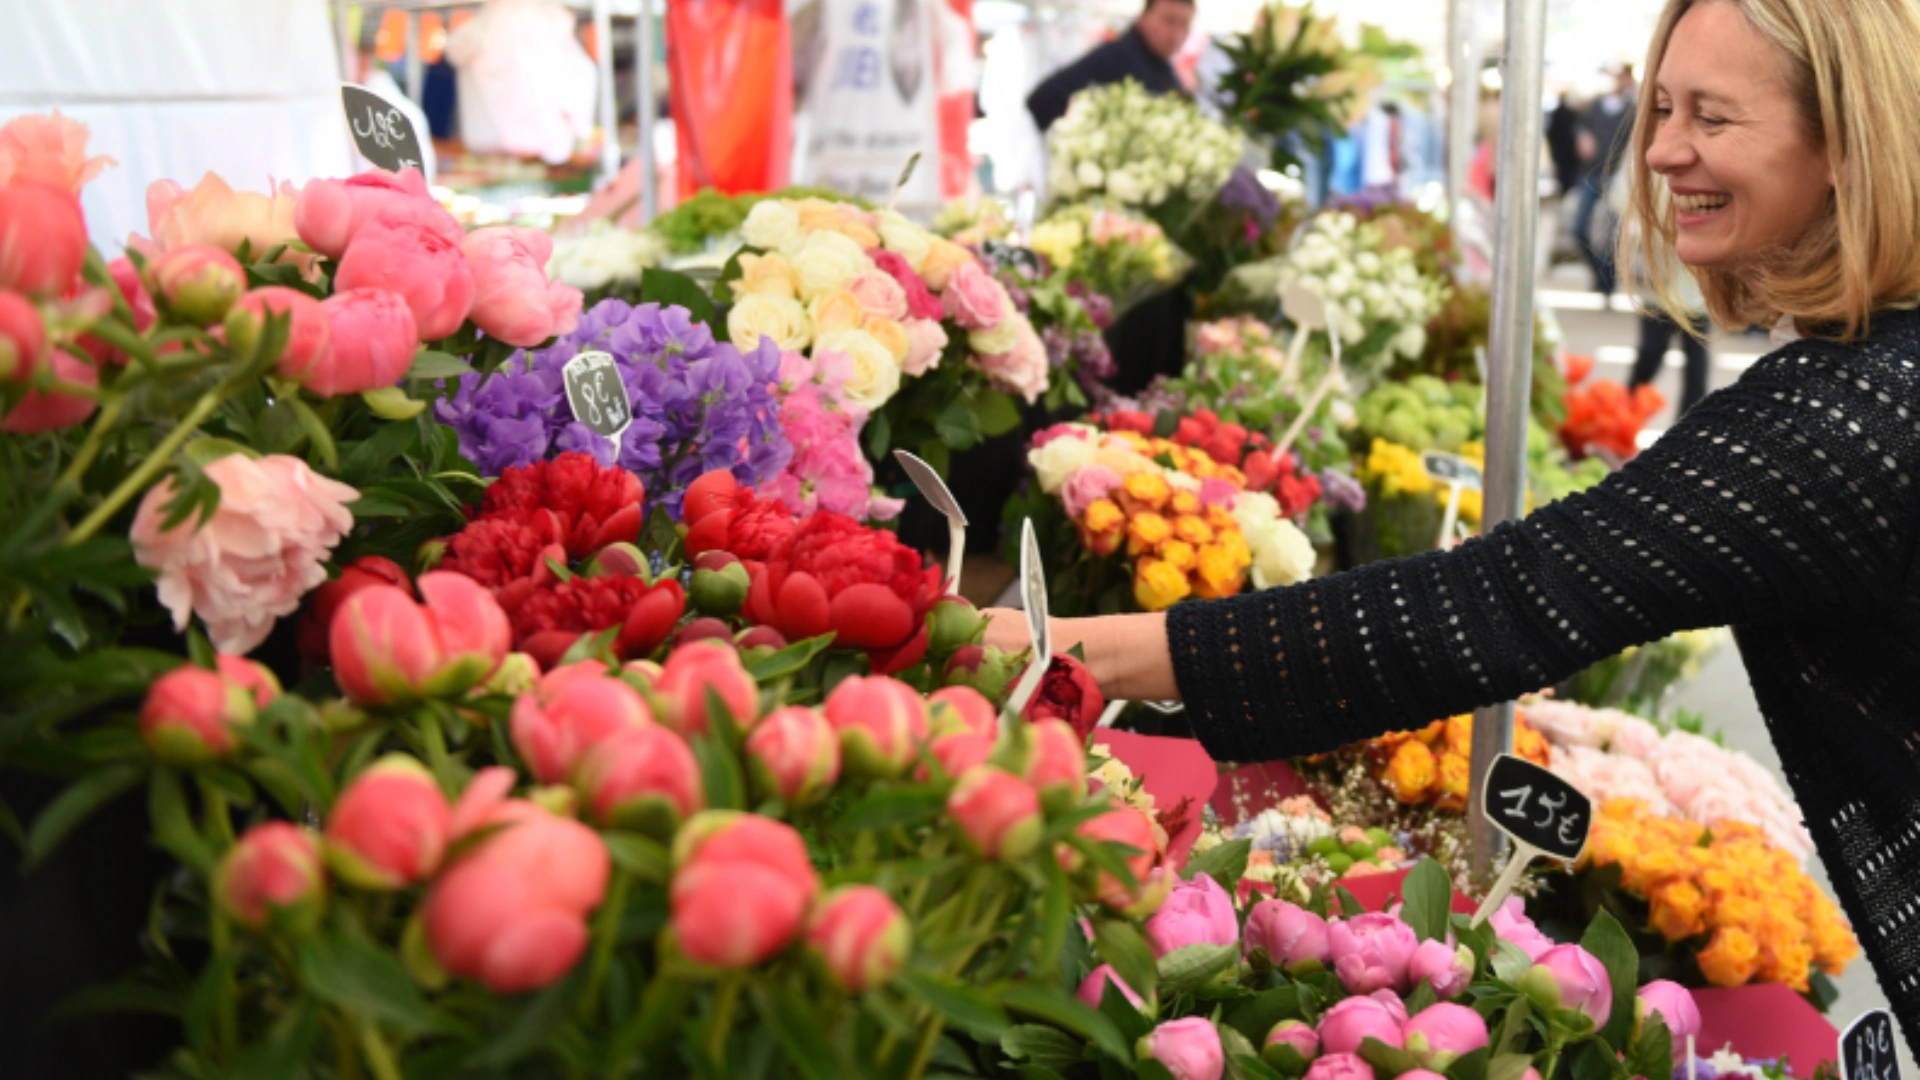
(1375, 297)
(1159, 155)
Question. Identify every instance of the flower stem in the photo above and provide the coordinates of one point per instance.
(606, 932)
(923, 1053)
(96, 438)
(725, 1001)
(428, 719)
(218, 820)
(137, 480)
(346, 1063)
(379, 1054)
(226, 1014)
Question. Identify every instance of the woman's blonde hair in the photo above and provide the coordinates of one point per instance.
(1851, 66)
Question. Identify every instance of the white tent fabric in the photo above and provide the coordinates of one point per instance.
(245, 88)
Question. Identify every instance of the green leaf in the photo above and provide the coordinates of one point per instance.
(531, 1029)
(1590, 1059)
(1421, 998)
(1252, 1068)
(1059, 1007)
(206, 450)
(1238, 1048)
(879, 435)
(1387, 1060)
(1513, 1030)
(1511, 1066)
(1121, 945)
(173, 828)
(720, 773)
(642, 856)
(1349, 907)
(957, 426)
(1609, 944)
(428, 364)
(288, 1046)
(668, 287)
(730, 273)
(126, 996)
(1056, 912)
(1227, 863)
(1428, 900)
(997, 413)
(1473, 1066)
(798, 1032)
(661, 1006)
(1655, 1044)
(1125, 1015)
(789, 660)
(1256, 1016)
(1193, 966)
(351, 974)
(1044, 1046)
(72, 806)
(317, 432)
(896, 806)
(963, 1006)
(1509, 962)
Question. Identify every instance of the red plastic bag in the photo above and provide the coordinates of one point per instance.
(732, 67)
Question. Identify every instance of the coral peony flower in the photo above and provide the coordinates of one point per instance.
(1128, 826)
(408, 252)
(1067, 692)
(793, 754)
(513, 299)
(1197, 912)
(1289, 934)
(1095, 987)
(255, 557)
(387, 649)
(694, 671)
(23, 338)
(43, 238)
(190, 713)
(1189, 1048)
(859, 936)
(1354, 1020)
(998, 813)
(642, 777)
(51, 410)
(881, 723)
(961, 708)
(371, 341)
(272, 876)
(957, 752)
(1371, 952)
(329, 213)
(571, 711)
(48, 150)
(309, 331)
(323, 602)
(196, 282)
(741, 888)
(390, 827)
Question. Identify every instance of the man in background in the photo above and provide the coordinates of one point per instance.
(1601, 138)
(1144, 53)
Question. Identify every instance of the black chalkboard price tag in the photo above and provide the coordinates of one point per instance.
(381, 132)
(1006, 256)
(1541, 813)
(1867, 1048)
(596, 394)
(1451, 469)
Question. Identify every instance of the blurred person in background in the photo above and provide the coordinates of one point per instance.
(1144, 54)
(1601, 138)
(1658, 327)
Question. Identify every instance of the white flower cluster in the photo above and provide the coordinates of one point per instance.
(1282, 554)
(605, 255)
(1364, 284)
(1137, 149)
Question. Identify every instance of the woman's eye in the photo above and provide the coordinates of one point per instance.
(1662, 111)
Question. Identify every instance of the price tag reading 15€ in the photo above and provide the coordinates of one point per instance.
(596, 394)
(1543, 814)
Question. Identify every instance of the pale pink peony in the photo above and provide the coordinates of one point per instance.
(1634, 737)
(213, 213)
(50, 149)
(259, 553)
(513, 299)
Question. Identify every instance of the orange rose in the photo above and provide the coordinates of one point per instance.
(1148, 489)
(1412, 772)
(1191, 529)
(1679, 911)
(1185, 503)
(1146, 532)
(1219, 517)
(1157, 586)
(1731, 958)
(1653, 869)
(1179, 554)
(1456, 780)
(1220, 575)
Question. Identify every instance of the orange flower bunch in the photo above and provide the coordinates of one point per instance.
(1180, 546)
(1191, 460)
(1603, 415)
(1434, 763)
(1765, 919)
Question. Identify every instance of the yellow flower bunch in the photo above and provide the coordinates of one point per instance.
(1180, 547)
(1434, 764)
(1392, 469)
(1765, 919)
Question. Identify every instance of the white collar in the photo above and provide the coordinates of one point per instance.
(1784, 333)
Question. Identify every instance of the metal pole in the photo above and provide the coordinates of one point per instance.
(609, 114)
(643, 68)
(1463, 95)
(1510, 380)
(416, 65)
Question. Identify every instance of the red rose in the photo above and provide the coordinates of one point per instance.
(1067, 692)
(1129, 420)
(317, 620)
(1190, 431)
(863, 585)
(1225, 443)
(596, 506)
(1297, 494)
(549, 620)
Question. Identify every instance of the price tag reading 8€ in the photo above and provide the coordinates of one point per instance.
(596, 395)
(1543, 815)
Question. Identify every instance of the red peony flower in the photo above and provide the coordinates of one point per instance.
(499, 550)
(1067, 692)
(596, 506)
(836, 575)
(549, 620)
(752, 532)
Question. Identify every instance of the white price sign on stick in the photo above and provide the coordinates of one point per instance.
(1033, 599)
(934, 490)
(1458, 474)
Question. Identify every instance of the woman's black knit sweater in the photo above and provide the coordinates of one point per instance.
(1783, 506)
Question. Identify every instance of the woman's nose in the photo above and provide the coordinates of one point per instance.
(1669, 152)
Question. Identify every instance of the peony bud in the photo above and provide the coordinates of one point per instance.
(1448, 970)
(573, 710)
(881, 723)
(309, 333)
(961, 708)
(387, 649)
(953, 622)
(1288, 934)
(390, 827)
(719, 592)
(1056, 764)
(517, 674)
(761, 637)
(1067, 692)
(1340, 1067)
(1676, 1007)
(23, 338)
(956, 751)
(1510, 924)
(196, 282)
(272, 876)
(256, 678)
(189, 715)
(998, 812)
(742, 885)
(695, 670)
(1189, 1048)
(1353, 1021)
(643, 778)
(1290, 1047)
(1442, 1034)
(989, 671)
(704, 629)
(860, 936)
(793, 754)
(1371, 952)
(1128, 826)
(1197, 912)
(325, 601)
(1094, 988)
(1581, 981)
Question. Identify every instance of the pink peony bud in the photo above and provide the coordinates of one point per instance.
(1290, 1046)
(571, 711)
(1429, 1074)
(881, 723)
(998, 812)
(387, 649)
(309, 332)
(961, 708)
(371, 337)
(1340, 1067)
(956, 751)
(643, 777)
(860, 936)
(1189, 1048)
(793, 754)
(1448, 970)
(741, 888)
(1128, 826)
(390, 827)
(43, 238)
(1197, 912)
(23, 338)
(51, 410)
(408, 251)
(1394, 1006)
(696, 669)
(989, 671)
(1290, 935)
(1354, 1021)
(1676, 1007)
(953, 622)
(1056, 763)
(1371, 952)
(197, 282)
(189, 715)
(513, 300)
(272, 876)
(1442, 1034)
(1095, 987)
(1511, 924)
(1582, 981)
(256, 678)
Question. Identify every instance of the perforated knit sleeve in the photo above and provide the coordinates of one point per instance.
(1770, 502)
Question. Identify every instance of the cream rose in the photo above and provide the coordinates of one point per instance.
(827, 261)
(1282, 554)
(943, 258)
(905, 239)
(769, 274)
(1061, 458)
(836, 310)
(1000, 339)
(771, 225)
(875, 374)
(759, 315)
(926, 340)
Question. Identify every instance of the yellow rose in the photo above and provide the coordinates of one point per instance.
(876, 374)
(1157, 586)
(905, 239)
(1189, 528)
(1678, 910)
(1147, 531)
(835, 310)
(1179, 554)
(1455, 778)
(1060, 458)
(943, 257)
(827, 261)
(1147, 489)
(889, 334)
(771, 275)
(758, 315)
(1220, 576)
(771, 225)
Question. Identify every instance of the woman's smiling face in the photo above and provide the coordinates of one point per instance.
(1745, 174)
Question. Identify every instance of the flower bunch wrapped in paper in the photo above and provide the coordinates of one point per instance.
(1291, 75)
(1115, 253)
(1297, 848)
(1155, 154)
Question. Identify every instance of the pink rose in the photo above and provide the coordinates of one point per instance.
(1442, 1034)
(926, 342)
(48, 150)
(1371, 952)
(793, 754)
(1581, 979)
(272, 876)
(1448, 970)
(23, 338)
(190, 713)
(51, 410)
(1085, 485)
(880, 295)
(43, 238)
(255, 557)
(998, 813)
(513, 300)
(1288, 934)
(881, 722)
(1677, 1009)
(694, 670)
(328, 213)
(1635, 737)
(921, 303)
(859, 936)
(1094, 987)
(1511, 925)
(1189, 1048)
(387, 649)
(572, 710)
(390, 826)
(1294, 1036)
(1197, 912)
(406, 252)
(974, 299)
(644, 778)
(309, 331)
(1340, 1067)
(741, 888)
(1355, 1020)
(1022, 371)
(372, 339)
(213, 213)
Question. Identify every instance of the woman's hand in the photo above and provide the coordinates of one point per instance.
(1007, 630)
(1126, 654)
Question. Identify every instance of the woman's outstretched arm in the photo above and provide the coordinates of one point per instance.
(1127, 654)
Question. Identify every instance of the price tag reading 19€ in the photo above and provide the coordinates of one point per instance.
(596, 395)
(1541, 813)
(381, 132)
(1866, 1049)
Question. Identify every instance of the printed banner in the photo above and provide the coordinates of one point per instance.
(732, 74)
(874, 99)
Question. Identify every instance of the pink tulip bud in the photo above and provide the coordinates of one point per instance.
(272, 876)
(741, 888)
(1197, 912)
(1290, 935)
(256, 678)
(197, 282)
(881, 723)
(389, 650)
(998, 812)
(1676, 1007)
(512, 912)
(1189, 1048)
(961, 708)
(860, 936)
(309, 333)
(956, 751)
(1095, 987)
(1448, 970)
(1290, 1047)
(1442, 1034)
(189, 715)
(1353, 1021)
(573, 710)
(1581, 981)
(1371, 952)
(697, 668)
(1340, 1067)
(23, 338)
(793, 754)
(642, 778)
(1056, 763)
(390, 827)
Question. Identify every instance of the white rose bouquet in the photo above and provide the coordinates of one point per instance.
(1159, 155)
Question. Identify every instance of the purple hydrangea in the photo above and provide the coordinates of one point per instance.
(698, 405)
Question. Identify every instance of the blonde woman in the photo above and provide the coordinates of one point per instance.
(1782, 169)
